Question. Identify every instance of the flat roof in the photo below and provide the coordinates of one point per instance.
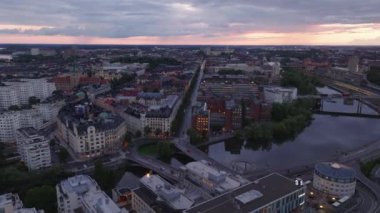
(271, 187)
(169, 193)
(221, 179)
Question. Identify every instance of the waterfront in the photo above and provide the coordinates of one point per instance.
(326, 138)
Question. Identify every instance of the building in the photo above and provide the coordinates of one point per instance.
(210, 178)
(272, 193)
(122, 193)
(353, 63)
(82, 194)
(172, 196)
(200, 120)
(89, 130)
(39, 117)
(99, 201)
(11, 203)
(280, 94)
(19, 92)
(334, 178)
(33, 148)
(158, 116)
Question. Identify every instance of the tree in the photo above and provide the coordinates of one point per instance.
(147, 130)
(63, 154)
(138, 134)
(33, 100)
(164, 150)
(195, 137)
(104, 177)
(14, 108)
(158, 131)
(43, 197)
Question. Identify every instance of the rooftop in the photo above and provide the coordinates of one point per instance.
(101, 203)
(222, 182)
(335, 170)
(79, 184)
(85, 114)
(249, 197)
(169, 193)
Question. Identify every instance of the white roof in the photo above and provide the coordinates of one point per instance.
(169, 193)
(219, 178)
(100, 202)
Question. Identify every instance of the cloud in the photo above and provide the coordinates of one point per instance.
(168, 18)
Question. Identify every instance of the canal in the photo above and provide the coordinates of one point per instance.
(327, 137)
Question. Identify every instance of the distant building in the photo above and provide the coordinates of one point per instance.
(19, 92)
(353, 64)
(272, 193)
(280, 94)
(335, 179)
(34, 51)
(201, 119)
(89, 130)
(210, 178)
(33, 148)
(82, 194)
(11, 203)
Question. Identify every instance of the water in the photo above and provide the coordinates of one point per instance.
(326, 138)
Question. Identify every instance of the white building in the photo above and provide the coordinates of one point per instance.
(89, 135)
(280, 94)
(170, 194)
(11, 203)
(157, 117)
(33, 148)
(335, 179)
(82, 194)
(210, 178)
(19, 92)
(99, 201)
(40, 116)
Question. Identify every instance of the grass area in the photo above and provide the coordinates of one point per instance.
(148, 149)
(368, 166)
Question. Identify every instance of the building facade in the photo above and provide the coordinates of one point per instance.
(82, 194)
(19, 92)
(280, 94)
(11, 203)
(33, 148)
(336, 179)
(89, 130)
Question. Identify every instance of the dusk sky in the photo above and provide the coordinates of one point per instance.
(231, 22)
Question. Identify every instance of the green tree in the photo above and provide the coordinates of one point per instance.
(147, 130)
(14, 108)
(164, 150)
(43, 197)
(138, 134)
(195, 137)
(63, 154)
(104, 177)
(33, 100)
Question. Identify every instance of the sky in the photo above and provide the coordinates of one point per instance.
(205, 22)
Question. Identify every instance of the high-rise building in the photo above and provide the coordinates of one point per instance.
(33, 148)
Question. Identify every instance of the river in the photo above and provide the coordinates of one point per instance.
(326, 138)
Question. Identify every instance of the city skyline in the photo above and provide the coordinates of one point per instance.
(272, 22)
